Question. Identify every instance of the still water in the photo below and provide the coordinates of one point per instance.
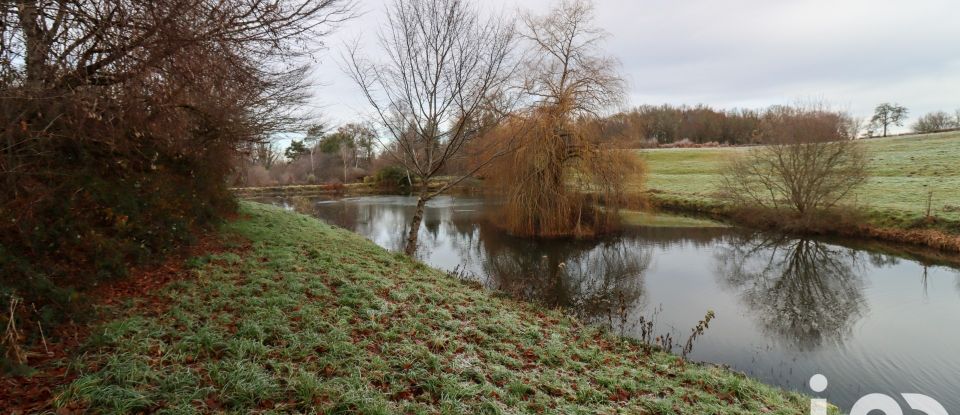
(786, 308)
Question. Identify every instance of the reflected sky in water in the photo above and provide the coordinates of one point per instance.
(786, 308)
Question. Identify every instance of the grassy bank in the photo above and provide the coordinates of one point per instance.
(904, 173)
(349, 189)
(309, 318)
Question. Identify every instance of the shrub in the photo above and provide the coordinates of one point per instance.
(121, 123)
(934, 122)
(806, 167)
(393, 178)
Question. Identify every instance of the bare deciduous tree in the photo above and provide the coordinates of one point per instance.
(852, 126)
(158, 58)
(935, 121)
(566, 71)
(806, 166)
(445, 64)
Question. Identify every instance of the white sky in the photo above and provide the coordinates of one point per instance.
(853, 54)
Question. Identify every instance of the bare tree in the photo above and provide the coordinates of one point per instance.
(566, 71)
(445, 64)
(853, 126)
(887, 114)
(82, 54)
(266, 154)
(806, 166)
(934, 122)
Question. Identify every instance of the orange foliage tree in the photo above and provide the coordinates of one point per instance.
(561, 179)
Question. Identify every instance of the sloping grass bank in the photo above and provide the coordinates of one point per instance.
(316, 319)
(908, 175)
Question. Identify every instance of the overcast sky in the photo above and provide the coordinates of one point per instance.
(852, 54)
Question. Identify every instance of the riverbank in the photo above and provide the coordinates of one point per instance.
(366, 188)
(309, 317)
(911, 196)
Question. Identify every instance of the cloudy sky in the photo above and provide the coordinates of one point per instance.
(852, 54)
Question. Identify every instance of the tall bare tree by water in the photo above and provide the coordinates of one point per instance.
(561, 172)
(445, 64)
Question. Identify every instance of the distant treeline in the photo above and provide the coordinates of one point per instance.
(651, 126)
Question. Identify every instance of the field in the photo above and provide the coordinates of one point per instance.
(304, 317)
(904, 171)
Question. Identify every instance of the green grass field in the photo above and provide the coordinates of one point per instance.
(904, 170)
(314, 319)
(662, 220)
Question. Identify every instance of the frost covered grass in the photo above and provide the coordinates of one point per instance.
(313, 319)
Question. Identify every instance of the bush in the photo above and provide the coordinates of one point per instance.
(393, 178)
(935, 122)
(120, 131)
(101, 218)
(806, 167)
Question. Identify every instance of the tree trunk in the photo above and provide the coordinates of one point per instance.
(36, 43)
(411, 247)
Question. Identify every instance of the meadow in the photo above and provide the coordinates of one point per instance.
(905, 173)
(298, 316)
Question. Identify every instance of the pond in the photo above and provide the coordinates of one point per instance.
(786, 308)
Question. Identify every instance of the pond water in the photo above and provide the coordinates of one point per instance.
(786, 309)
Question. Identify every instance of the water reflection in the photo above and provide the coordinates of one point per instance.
(786, 308)
(803, 291)
(601, 282)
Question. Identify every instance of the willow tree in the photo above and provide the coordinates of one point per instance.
(444, 64)
(561, 173)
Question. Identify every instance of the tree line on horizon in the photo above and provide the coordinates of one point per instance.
(357, 155)
(315, 160)
(668, 125)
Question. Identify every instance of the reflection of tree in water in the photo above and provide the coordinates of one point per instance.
(879, 260)
(804, 291)
(958, 281)
(384, 223)
(601, 282)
